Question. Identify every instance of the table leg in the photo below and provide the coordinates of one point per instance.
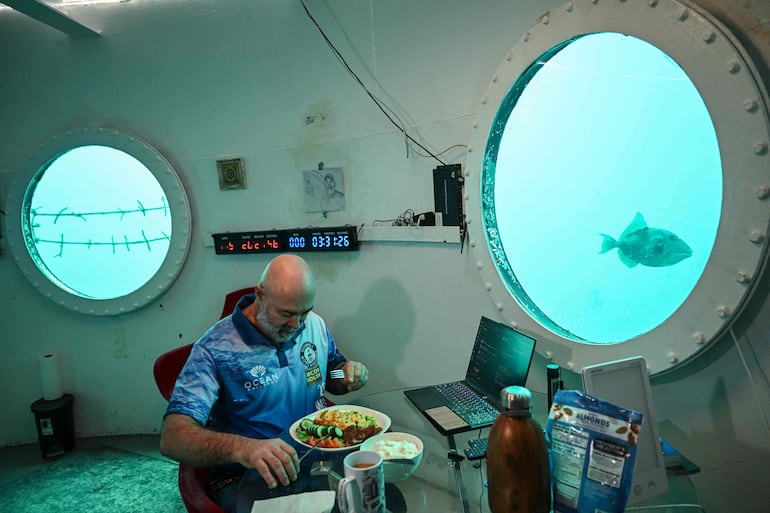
(454, 461)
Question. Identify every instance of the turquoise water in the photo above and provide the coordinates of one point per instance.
(97, 222)
(594, 133)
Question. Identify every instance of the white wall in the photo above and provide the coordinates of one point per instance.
(208, 79)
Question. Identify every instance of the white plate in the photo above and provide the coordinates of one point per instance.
(383, 421)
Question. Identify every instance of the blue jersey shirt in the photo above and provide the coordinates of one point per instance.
(241, 382)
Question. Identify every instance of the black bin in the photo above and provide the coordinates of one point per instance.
(55, 426)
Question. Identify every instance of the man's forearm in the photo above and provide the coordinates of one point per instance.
(186, 441)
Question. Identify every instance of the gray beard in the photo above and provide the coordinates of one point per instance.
(277, 335)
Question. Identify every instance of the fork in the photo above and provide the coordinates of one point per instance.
(314, 447)
(337, 374)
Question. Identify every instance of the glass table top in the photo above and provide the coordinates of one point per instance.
(442, 482)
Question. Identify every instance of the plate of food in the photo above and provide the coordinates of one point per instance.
(344, 426)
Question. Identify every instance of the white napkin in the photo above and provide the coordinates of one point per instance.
(321, 501)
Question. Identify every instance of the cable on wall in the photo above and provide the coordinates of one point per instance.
(387, 111)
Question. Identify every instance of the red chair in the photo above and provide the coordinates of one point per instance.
(193, 482)
(232, 299)
(167, 368)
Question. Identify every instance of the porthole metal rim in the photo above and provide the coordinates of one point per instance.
(181, 225)
(723, 290)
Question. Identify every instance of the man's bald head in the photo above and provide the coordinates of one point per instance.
(285, 296)
(288, 276)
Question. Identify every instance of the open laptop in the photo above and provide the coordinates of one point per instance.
(625, 383)
(501, 357)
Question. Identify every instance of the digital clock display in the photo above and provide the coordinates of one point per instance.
(340, 238)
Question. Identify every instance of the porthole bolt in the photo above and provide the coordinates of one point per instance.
(743, 277)
(723, 312)
(750, 105)
(759, 147)
(672, 357)
(756, 236)
(763, 192)
(699, 338)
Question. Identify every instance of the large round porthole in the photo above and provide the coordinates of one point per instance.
(98, 221)
(619, 178)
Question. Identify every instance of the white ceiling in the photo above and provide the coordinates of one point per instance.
(48, 12)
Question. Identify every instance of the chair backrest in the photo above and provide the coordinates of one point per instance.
(168, 365)
(167, 368)
(193, 482)
(232, 298)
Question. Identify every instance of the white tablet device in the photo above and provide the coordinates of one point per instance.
(625, 383)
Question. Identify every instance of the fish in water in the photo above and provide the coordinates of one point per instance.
(653, 247)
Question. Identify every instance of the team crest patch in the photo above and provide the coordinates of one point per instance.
(309, 355)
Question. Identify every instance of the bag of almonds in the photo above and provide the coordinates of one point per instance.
(593, 447)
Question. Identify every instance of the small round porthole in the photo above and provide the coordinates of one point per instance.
(619, 203)
(98, 221)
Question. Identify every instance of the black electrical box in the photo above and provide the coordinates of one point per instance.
(448, 193)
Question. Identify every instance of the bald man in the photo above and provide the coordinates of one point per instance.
(249, 377)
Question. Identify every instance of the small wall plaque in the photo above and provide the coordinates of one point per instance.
(231, 174)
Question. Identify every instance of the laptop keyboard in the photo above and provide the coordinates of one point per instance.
(467, 404)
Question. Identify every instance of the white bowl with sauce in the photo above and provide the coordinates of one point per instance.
(402, 453)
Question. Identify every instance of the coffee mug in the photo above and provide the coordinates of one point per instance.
(362, 490)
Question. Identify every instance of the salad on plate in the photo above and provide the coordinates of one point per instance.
(339, 427)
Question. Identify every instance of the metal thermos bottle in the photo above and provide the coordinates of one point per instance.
(518, 467)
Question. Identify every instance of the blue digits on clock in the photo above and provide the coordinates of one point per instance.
(296, 242)
(321, 241)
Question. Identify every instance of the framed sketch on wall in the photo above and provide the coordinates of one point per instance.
(324, 190)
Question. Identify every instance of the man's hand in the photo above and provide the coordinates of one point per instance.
(275, 460)
(185, 440)
(356, 375)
